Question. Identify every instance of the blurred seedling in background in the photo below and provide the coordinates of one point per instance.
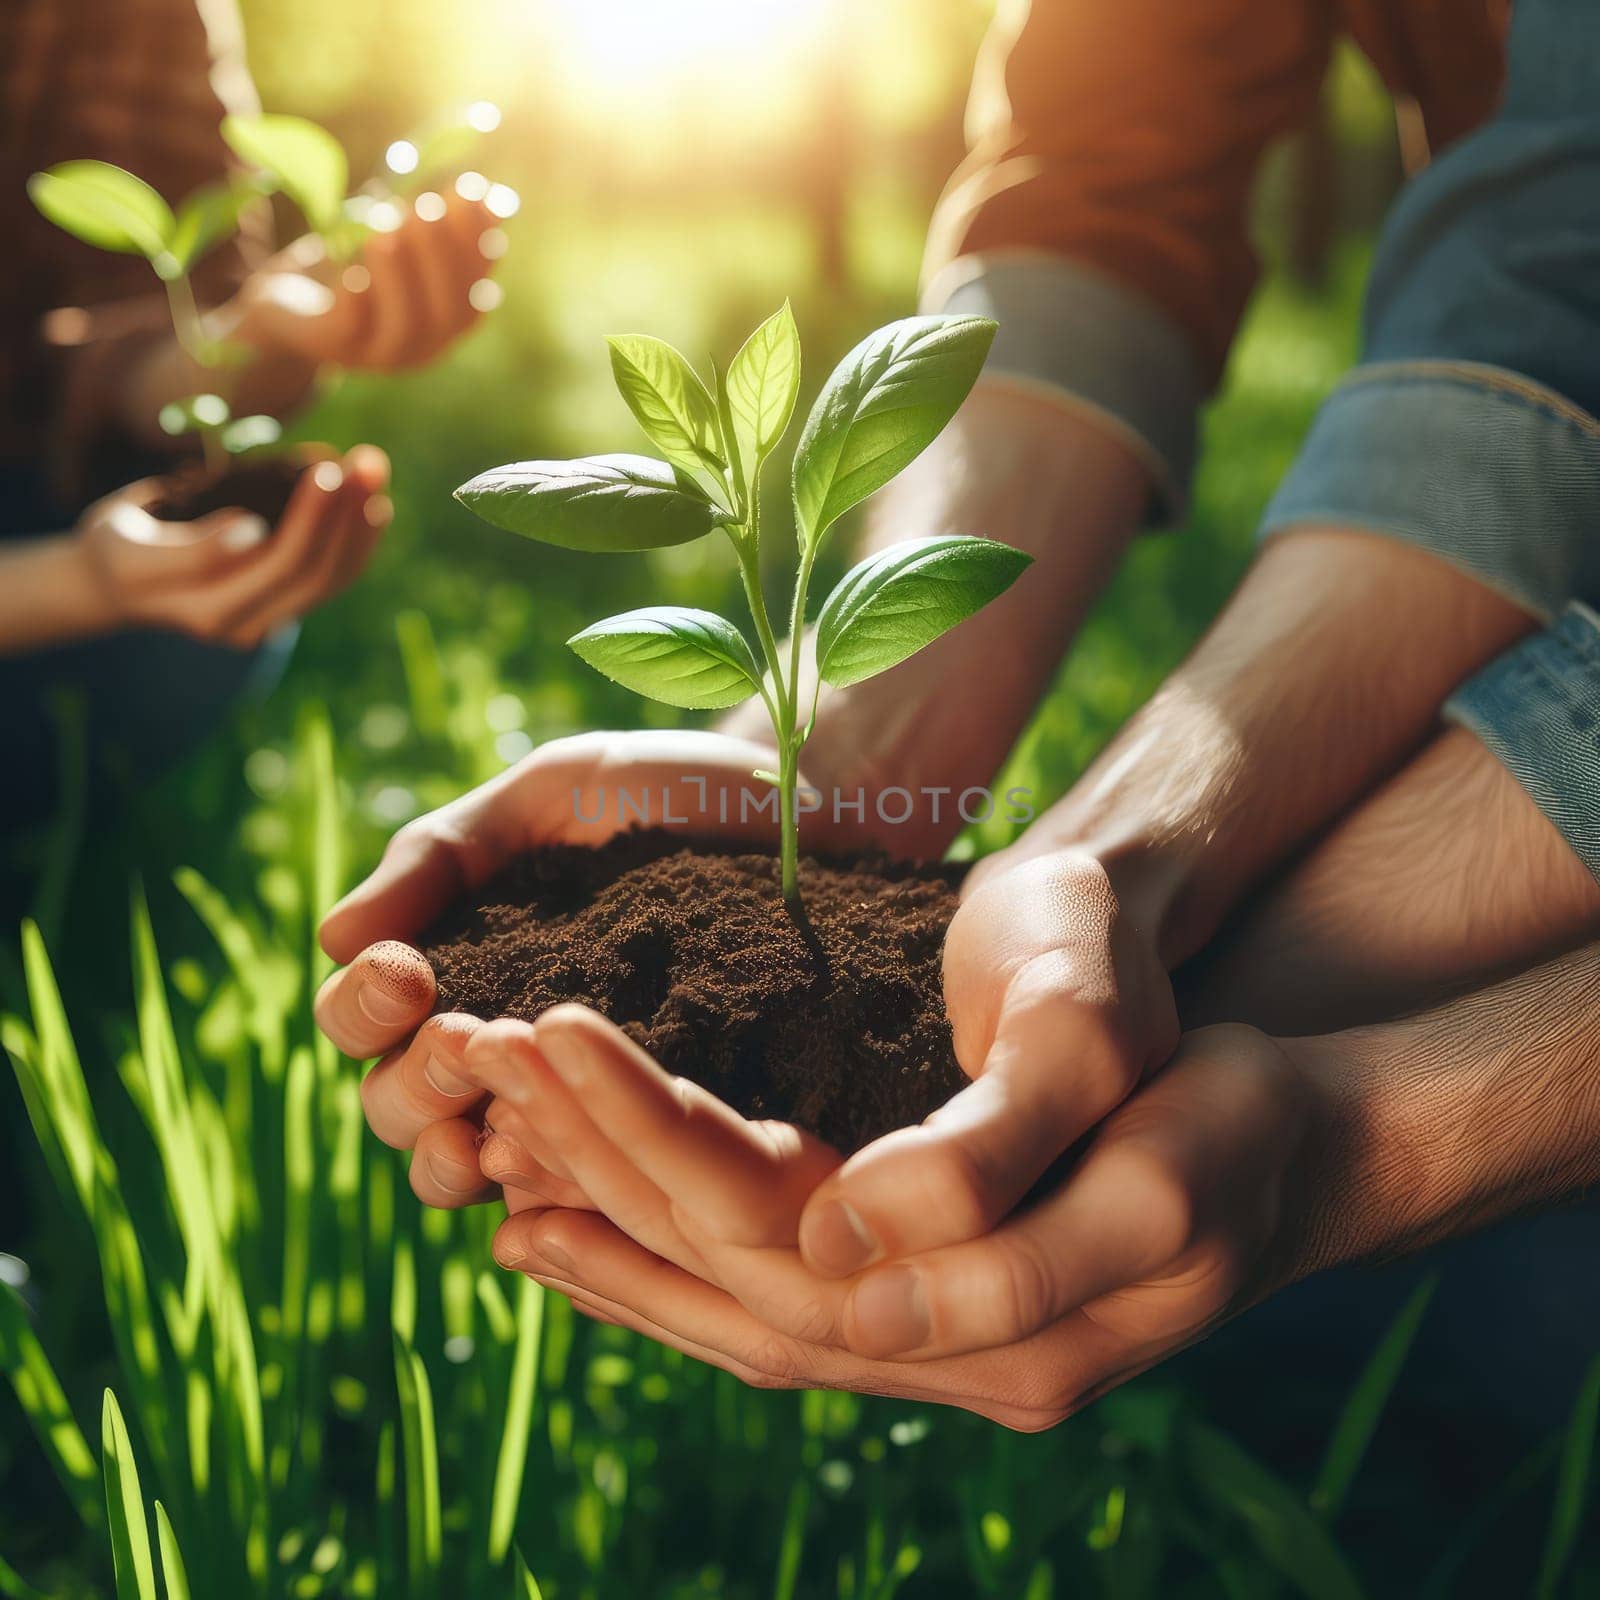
(882, 406)
(111, 209)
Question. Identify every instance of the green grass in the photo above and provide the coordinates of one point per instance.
(310, 1386)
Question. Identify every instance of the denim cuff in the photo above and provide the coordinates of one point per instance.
(1087, 341)
(1489, 470)
(1537, 708)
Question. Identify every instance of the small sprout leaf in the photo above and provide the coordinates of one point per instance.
(884, 404)
(305, 161)
(904, 597)
(251, 433)
(108, 208)
(672, 405)
(604, 503)
(207, 217)
(763, 775)
(763, 380)
(688, 658)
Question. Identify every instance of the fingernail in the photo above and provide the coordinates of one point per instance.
(327, 475)
(555, 1257)
(244, 533)
(452, 1177)
(378, 511)
(445, 1082)
(378, 1006)
(891, 1311)
(566, 1055)
(509, 1252)
(838, 1241)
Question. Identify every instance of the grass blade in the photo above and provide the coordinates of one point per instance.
(514, 1432)
(41, 1397)
(527, 1586)
(16, 1587)
(1284, 1531)
(130, 1532)
(1359, 1419)
(419, 1446)
(1572, 1485)
(173, 1573)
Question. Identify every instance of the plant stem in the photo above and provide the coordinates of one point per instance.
(789, 828)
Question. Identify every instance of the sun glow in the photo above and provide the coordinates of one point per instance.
(665, 36)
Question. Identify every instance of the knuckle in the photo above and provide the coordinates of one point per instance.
(774, 1364)
(1166, 1201)
(1024, 1289)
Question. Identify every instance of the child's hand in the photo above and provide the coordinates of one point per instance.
(398, 304)
(221, 577)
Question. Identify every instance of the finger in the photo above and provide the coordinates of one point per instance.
(1125, 1216)
(502, 1117)
(741, 1182)
(315, 561)
(247, 586)
(1030, 1386)
(372, 1004)
(507, 1162)
(394, 300)
(447, 270)
(444, 1167)
(422, 1082)
(504, 1057)
(1056, 1019)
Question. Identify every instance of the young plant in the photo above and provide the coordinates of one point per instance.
(883, 405)
(111, 209)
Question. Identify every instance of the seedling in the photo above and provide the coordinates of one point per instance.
(884, 404)
(109, 208)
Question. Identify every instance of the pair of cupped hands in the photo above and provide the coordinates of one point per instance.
(920, 1267)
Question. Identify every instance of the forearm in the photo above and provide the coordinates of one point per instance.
(1447, 1121)
(1033, 473)
(1327, 667)
(1444, 879)
(48, 595)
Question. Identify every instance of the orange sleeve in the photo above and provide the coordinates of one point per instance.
(1123, 136)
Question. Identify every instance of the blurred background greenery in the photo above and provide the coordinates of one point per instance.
(681, 169)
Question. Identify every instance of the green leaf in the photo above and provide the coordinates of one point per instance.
(108, 208)
(688, 658)
(1358, 1421)
(130, 1532)
(885, 403)
(420, 1453)
(671, 404)
(526, 1586)
(207, 217)
(305, 161)
(607, 503)
(904, 597)
(516, 1430)
(762, 383)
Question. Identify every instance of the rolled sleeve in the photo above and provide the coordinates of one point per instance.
(1077, 337)
(1471, 429)
(1537, 709)
(1477, 465)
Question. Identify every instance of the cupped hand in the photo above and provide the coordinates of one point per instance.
(564, 792)
(398, 304)
(1187, 1206)
(1059, 1006)
(226, 577)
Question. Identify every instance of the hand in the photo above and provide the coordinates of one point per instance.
(222, 578)
(415, 1097)
(1189, 1205)
(1060, 1005)
(399, 304)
